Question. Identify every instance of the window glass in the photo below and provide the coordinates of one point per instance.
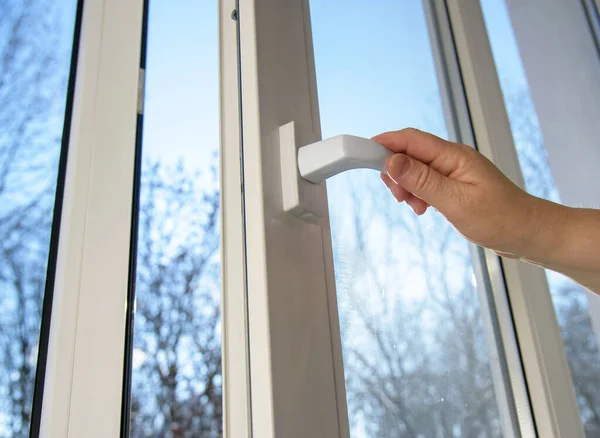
(415, 354)
(571, 301)
(36, 39)
(176, 369)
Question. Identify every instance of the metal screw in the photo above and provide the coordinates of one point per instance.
(234, 15)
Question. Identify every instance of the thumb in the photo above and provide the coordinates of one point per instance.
(421, 180)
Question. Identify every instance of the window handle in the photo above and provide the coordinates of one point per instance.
(305, 163)
(324, 159)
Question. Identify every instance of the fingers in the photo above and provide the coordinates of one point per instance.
(442, 155)
(402, 195)
(418, 205)
(398, 192)
(422, 181)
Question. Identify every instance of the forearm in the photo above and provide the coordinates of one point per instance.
(488, 209)
(567, 240)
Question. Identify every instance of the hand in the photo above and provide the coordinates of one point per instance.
(463, 185)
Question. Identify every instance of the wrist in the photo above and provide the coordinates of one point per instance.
(547, 232)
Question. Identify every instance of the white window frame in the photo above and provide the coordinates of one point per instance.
(84, 372)
(559, 52)
(234, 305)
(282, 358)
(277, 80)
(296, 373)
(546, 368)
(509, 379)
(278, 86)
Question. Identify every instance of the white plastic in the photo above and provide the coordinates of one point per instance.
(303, 168)
(299, 197)
(326, 158)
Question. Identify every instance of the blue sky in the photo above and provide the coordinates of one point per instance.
(374, 67)
(182, 84)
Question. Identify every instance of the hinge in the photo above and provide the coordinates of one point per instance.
(141, 89)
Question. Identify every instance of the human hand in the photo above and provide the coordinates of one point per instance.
(463, 185)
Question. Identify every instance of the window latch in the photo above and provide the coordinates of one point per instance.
(306, 163)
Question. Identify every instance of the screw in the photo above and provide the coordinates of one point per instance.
(234, 15)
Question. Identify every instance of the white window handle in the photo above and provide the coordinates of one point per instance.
(326, 158)
(306, 163)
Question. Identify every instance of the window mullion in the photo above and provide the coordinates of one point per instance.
(546, 369)
(509, 380)
(297, 383)
(85, 360)
(236, 379)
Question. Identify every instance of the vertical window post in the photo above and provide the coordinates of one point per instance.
(545, 364)
(83, 384)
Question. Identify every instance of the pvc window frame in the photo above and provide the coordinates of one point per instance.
(546, 368)
(84, 382)
(560, 51)
(290, 297)
(295, 369)
(83, 387)
(507, 368)
(279, 301)
(234, 304)
(84, 372)
(278, 86)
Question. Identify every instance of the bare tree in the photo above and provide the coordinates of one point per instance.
(177, 386)
(33, 74)
(414, 350)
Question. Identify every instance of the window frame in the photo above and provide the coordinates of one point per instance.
(513, 398)
(545, 364)
(267, 79)
(234, 304)
(278, 86)
(48, 295)
(563, 64)
(520, 291)
(84, 373)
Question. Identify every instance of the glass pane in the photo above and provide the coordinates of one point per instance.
(176, 376)
(36, 38)
(570, 300)
(415, 354)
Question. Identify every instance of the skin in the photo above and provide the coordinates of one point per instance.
(488, 209)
